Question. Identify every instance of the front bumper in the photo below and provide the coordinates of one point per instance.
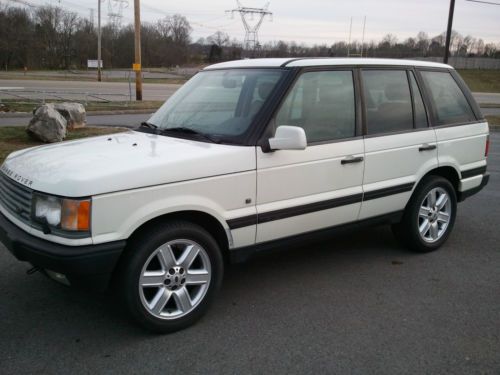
(88, 266)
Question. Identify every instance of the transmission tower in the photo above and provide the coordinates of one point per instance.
(252, 19)
(115, 11)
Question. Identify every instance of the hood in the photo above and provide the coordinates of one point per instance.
(122, 161)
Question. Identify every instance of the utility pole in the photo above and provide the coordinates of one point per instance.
(448, 31)
(363, 38)
(137, 64)
(99, 40)
(349, 42)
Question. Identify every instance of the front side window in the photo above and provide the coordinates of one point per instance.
(218, 103)
(387, 100)
(449, 101)
(323, 104)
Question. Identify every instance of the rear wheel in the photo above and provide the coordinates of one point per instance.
(171, 276)
(429, 216)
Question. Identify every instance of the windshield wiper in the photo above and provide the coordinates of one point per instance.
(148, 125)
(182, 129)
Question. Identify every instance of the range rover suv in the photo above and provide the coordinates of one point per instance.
(246, 156)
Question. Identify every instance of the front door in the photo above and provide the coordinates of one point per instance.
(321, 186)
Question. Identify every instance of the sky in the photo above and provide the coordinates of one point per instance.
(316, 21)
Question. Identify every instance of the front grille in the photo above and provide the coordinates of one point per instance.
(16, 198)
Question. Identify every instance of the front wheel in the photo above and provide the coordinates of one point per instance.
(429, 216)
(171, 276)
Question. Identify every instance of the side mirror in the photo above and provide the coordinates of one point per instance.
(288, 138)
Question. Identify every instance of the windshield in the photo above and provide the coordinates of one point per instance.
(219, 103)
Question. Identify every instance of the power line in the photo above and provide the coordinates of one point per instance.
(251, 29)
(483, 2)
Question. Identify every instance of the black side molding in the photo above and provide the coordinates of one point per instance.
(380, 193)
(316, 206)
(473, 172)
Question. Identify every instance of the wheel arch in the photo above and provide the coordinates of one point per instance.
(208, 222)
(448, 172)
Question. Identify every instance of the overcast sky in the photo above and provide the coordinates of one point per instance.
(318, 21)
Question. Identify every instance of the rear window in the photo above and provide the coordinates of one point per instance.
(451, 106)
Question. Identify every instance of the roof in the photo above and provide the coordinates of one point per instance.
(302, 62)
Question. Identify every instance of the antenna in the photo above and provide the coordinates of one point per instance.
(247, 15)
(115, 11)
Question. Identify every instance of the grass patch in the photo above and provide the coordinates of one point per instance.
(14, 138)
(481, 80)
(11, 105)
(493, 120)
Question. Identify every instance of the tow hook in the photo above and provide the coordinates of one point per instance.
(32, 270)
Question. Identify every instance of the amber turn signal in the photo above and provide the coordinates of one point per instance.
(75, 215)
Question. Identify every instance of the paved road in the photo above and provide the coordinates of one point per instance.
(491, 111)
(357, 304)
(116, 90)
(75, 90)
(485, 97)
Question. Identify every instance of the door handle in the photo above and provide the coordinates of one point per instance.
(351, 159)
(426, 147)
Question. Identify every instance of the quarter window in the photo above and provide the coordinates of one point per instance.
(388, 101)
(322, 103)
(449, 101)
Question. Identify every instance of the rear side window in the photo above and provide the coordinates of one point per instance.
(449, 102)
(387, 100)
(323, 104)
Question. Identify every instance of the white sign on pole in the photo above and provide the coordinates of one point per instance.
(93, 64)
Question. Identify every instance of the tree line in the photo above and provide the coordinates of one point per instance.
(49, 37)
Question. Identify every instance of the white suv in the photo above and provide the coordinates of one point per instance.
(246, 156)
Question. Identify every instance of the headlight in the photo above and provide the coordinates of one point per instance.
(62, 213)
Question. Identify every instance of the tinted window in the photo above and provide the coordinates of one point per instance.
(388, 101)
(322, 103)
(420, 115)
(449, 101)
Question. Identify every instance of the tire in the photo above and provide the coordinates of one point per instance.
(171, 275)
(425, 227)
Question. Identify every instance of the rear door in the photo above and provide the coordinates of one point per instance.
(319, 187)
(460, 130)
(400, 147)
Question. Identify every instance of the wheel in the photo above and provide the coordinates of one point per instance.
(429, 216)
(172, 274)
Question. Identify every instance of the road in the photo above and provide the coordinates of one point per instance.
(356, 304)
(75, 90)
(120, 90)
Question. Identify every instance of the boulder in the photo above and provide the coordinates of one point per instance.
(47, 124)
(74, 113)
